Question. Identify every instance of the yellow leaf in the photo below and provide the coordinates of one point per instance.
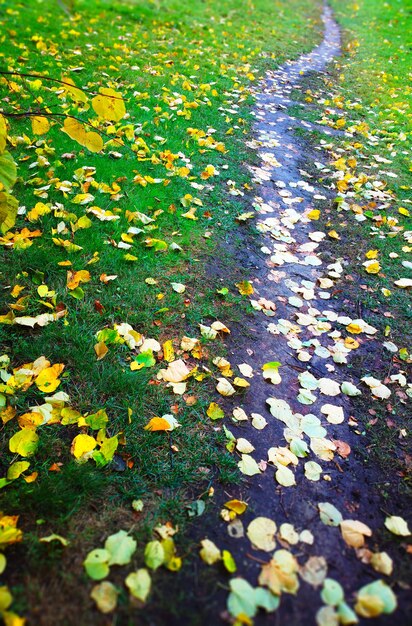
(8, 532)
(74, 129)
(75, 278)
(7, 414)
(12, 619)
(314, 214)
(65, 243)
(42, 290)
(17, 289)
(245, 288)
(16, 469)
(40, 125)
(24, 442)
(54, 537)
(214, 411)
(261, 532)
(8, 171)
(30, 420)
(93, 142)
(3, 134)
(271, 372)
(371, 254)
(5, 598)
(333, 234)
(83, 198)
(8, 211)
(82, 222)
(190, 214)
(374, 599)
(183, 172)
(280, 574)
(105, 595)
(74, 92)
(101, 350)
(351, 343)
(157, 423)
(285, 476)
(372, 266)
(353, 328)
(168, 352)
(209, 552)
(382, 562)
(82, 445)
(340, 164)
(109, 105)
(48, 379)
(241, 382)
(238, 506)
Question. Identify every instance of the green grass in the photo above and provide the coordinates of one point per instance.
(375, 83)
(369, 88)
(158, 55)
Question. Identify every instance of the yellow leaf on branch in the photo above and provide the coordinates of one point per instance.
(109, 105)
(40, 125)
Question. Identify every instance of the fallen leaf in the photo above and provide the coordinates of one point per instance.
(397, 526)
(96, 564)
(354, 532)
(238, 506)
(209, 552)
(214, 411)
(314, 571)
(248, 465)
(139, 584)
(375, 599)
(164, 423)
(224, 387)
(271, 372)
(24, 442)
(120, 547)
(261, 533)
(154, 555)
(329, 514)
(105, 595)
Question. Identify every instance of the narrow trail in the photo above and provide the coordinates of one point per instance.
(306, 412)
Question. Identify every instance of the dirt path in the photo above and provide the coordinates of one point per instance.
(308, 335)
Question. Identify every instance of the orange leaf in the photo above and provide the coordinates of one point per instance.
(157, 423)
(31, 478)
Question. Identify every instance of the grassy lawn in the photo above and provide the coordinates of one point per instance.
(369, 93)
(140, 220)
